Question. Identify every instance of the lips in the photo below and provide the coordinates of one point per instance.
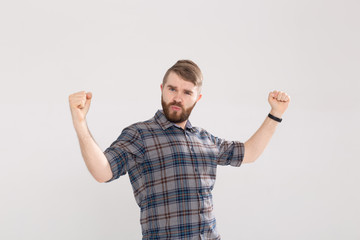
(175, 108)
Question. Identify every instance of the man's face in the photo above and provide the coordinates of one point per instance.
(178, 98)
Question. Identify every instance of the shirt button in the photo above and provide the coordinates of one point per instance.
(202, 231)
(196, 170)
(201, 211)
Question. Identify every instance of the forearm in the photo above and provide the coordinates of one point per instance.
(93, 156)
(255, 146)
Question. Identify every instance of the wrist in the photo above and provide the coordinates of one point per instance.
(79, 124)
(276, 113)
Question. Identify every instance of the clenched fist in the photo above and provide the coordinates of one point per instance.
(279, 102)
(79, 105)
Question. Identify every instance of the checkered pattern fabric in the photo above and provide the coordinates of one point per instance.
(172, 172)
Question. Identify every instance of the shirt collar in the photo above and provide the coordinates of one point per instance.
(165, 124)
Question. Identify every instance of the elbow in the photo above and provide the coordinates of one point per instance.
(103, 175)
(249, 155)
(103, 178)
(247, 159)
(99, 180)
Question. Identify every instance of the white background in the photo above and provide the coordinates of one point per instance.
(304, 186)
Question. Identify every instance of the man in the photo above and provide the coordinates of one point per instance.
(171, 164)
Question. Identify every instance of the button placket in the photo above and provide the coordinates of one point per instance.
(191, 148)
(196, 170)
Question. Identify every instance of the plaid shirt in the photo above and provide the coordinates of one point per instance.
(172, 172)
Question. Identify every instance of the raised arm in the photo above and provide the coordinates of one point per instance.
(93, 156)
(279, 102)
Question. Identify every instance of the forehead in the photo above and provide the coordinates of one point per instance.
(175, 80)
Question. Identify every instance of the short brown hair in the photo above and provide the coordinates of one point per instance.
(187, 70)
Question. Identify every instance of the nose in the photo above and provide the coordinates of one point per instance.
(177, 98)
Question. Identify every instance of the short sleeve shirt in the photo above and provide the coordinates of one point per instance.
(172, 172)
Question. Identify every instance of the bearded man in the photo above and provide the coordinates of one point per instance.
(172, 164)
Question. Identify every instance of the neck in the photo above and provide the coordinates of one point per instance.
(182, 124)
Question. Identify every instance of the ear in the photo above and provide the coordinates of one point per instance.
(161, 87)
(199, 97)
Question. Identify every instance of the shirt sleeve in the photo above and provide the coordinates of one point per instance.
(126, 151)
(230, 152)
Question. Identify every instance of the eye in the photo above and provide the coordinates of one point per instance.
(188, 93)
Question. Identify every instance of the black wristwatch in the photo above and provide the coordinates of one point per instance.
(275, 118)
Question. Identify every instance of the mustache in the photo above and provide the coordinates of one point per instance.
(175, 104)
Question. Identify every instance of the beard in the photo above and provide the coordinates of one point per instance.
(175, 116)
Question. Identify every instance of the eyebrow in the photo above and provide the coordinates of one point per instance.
(186, 90)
